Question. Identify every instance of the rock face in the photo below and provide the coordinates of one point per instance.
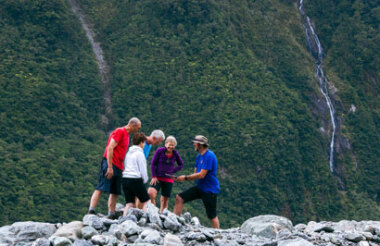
(29, 231)
(154, 228)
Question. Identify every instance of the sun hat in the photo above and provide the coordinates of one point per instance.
(201, 140)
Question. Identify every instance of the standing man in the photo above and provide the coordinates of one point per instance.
(155, 138)
(112, 166)
(207, 186)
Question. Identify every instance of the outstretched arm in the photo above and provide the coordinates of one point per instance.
(193, 176)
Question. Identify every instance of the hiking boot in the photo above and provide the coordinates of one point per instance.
(91, 211)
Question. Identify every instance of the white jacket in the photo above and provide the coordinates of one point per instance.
(135, 164)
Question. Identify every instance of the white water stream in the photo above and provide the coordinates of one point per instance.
(316, 51)
(102, 65)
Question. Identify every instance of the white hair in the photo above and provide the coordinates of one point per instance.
(134, 121)
(171, 139)
(158, 134)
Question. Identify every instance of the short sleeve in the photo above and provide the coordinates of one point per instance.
(117, 135)
(208, 163)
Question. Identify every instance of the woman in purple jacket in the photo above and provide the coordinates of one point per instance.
(163, 169)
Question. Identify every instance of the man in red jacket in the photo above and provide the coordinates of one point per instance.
(112, 166)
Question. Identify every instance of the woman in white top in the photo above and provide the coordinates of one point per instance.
(135, 173)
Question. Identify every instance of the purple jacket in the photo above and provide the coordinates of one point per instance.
(162, 165)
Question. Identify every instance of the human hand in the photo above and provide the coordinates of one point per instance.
(154, 181)
(180, 178)
(109, 173)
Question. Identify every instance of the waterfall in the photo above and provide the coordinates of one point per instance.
(102, 65)
(315, 49)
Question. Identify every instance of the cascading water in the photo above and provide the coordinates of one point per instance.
(316, 51)
(102, 65)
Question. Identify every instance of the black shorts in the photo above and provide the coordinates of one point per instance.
(166, 188)
(209, 199)
(134, 188)
(112, 185)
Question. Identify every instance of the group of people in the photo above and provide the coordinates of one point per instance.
(127, 171)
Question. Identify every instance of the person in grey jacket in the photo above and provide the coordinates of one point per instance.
(135, 174)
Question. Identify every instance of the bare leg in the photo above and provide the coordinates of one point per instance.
(127, 207)
(138, 205)
(112, 202)
(215, 223)
(164, 203)
(95, 198)
(144, 205)
(152, 192)
(178, 205)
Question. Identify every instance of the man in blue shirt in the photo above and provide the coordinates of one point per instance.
(207, 187)
(155, 138)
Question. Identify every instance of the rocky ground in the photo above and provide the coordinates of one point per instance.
(154, 228)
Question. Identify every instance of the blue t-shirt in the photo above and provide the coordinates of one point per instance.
(209, 183)
(147, 148)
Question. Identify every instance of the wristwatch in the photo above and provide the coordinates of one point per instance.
(185, 177)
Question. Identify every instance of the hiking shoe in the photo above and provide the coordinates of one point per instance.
(91, 211)
(112, 217)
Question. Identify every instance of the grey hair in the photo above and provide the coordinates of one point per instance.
(134, 121)
(158, 134)
(171, 139)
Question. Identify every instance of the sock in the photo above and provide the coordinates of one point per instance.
(91, 208)
(111, 213)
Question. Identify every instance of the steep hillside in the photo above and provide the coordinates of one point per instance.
(237, 72)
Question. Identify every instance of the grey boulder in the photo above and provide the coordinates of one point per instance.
(198, 236)
(128, 217)
(294, 242)
(130, 228)
(60, 241)
(138, 213)
(354, 237)
(71, 230)
(42, 242)
(187, 217)
(153, 237)
(104, 240)
(93, 221)
(149, 236)
(154, 216)
(172, 240)
(6, 235)
(267, 226)
(363, 243)
(31, 231)
(88, 232)
(171, 222)
(195, 222)
(81, 242)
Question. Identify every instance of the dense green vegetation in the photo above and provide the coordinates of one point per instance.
(237, 72)
(51, 100)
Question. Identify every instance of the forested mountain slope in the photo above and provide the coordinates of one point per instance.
(50, 106)
(237, 72)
